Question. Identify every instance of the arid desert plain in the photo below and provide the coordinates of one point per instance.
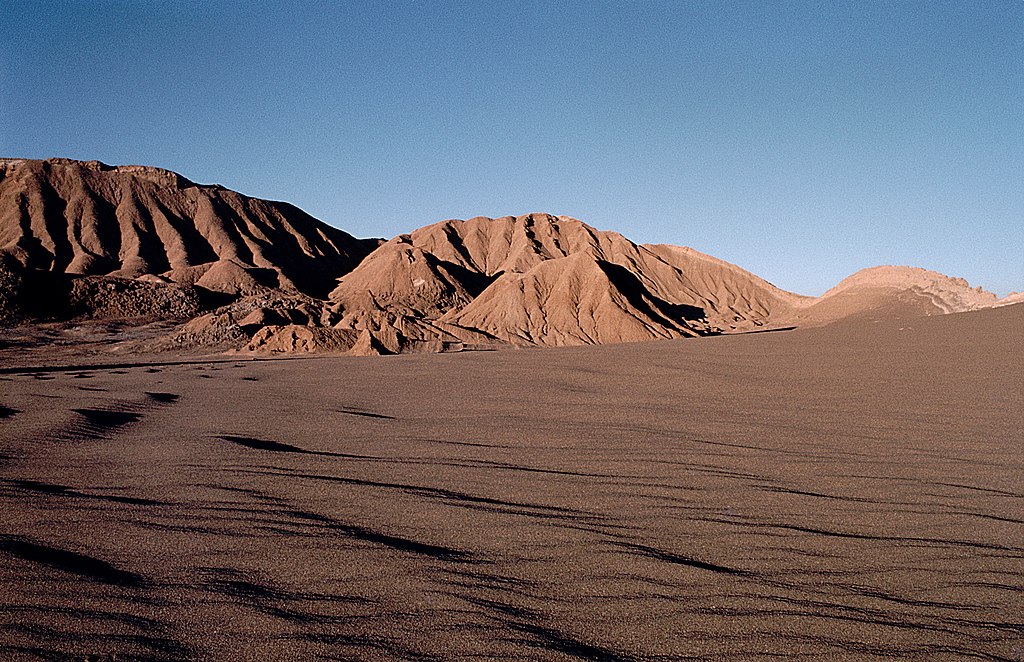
(459, 330)
(231, 431)
(848, 491)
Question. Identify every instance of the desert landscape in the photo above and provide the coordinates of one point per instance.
(847, 491)
(580, 447)
(193, 267)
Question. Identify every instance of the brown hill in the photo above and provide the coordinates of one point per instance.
(91, 240)
(891, 291)
(545, 280)
(576, 300)
(91, 219)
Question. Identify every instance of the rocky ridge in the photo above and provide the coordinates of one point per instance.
(84, 240)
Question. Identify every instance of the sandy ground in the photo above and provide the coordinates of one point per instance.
(843, 492)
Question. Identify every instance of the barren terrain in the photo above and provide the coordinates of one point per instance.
(848, 491)
(81, 241)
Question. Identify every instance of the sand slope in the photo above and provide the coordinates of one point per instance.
(846, 492)
(890, 291)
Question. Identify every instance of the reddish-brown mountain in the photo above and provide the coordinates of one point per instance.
(145, 243)
(91, 219)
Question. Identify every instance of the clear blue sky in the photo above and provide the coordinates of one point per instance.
(800, 140)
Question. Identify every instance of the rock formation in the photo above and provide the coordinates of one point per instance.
(87, 240)
(545, 280)
(91, 219)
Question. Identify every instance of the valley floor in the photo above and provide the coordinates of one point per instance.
(849, 491)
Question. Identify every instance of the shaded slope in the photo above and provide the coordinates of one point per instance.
(733, 296)
(576, 300)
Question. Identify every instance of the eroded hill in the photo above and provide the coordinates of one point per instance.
(83, 240)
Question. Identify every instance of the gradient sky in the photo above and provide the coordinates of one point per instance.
(800, 140)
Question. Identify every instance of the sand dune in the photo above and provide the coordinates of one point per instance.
(852, 491)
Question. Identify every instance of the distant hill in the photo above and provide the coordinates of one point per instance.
(143, 243)
(891, 291)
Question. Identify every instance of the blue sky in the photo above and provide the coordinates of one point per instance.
(800, 140)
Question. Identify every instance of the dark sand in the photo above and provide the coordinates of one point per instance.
(849, 491)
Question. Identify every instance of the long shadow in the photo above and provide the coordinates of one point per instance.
(65, 491)
(27, 370)
(403, 544)
(435, 492)
(508, 466)
(265, 445)
(643, 300)
(280, 447)
(355, 531)
(61, 559)
(382, 648)
(567, 518)
(274, 446)
(147, 647)
(274, 601)
(163, 398)
(822, 495)
(552, 640)
(197, 249)
(456, 242)
(774, 330)
(678, 559)
(108, 234)
(399, 543)
(1018, 552)
(523, 620)
(56, 223)
(474, 282)
(83, 614)
(367, 414)
(100, 422)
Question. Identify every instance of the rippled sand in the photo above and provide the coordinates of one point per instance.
(849, 491)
